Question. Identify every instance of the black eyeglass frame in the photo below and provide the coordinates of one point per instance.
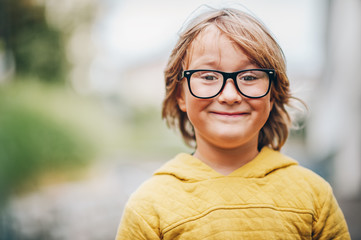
(226, 75)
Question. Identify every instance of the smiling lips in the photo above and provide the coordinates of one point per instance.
(230, 114)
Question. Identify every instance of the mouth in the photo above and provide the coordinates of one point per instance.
(230, 114)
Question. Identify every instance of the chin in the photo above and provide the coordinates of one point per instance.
(230, 142)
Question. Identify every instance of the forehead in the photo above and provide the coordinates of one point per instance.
(213, 48)
(211, 37)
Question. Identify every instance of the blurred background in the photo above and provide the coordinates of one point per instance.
(81, 86)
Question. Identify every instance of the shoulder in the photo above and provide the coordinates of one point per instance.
(316, 194)
(302, 181)
(156, 192)
(296, 182)
(140, 218)
(152, 189)
(167, 191)
(308, 178)
(305, 188)
(280, 167)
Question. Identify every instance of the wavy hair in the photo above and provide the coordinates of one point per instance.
(260, 47)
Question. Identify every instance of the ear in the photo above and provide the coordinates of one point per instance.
(181, 98)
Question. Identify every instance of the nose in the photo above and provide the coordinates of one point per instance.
(230, 94)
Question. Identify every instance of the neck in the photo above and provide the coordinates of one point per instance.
(225, 161)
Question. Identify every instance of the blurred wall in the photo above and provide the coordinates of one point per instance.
(334, 126)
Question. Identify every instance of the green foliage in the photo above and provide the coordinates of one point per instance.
(33, 142)
(37, 54)
(38, 49)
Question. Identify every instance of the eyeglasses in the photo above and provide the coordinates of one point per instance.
(251, 83)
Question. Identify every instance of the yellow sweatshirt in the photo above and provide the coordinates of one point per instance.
(271, 197)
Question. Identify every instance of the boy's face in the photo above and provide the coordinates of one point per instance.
(228, 120)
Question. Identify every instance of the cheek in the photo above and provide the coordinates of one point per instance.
(194, 106)
(188, 103)
(263, 107)
(267, 103)
(268, 109)
(196, 109)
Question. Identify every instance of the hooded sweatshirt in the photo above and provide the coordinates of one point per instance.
(271, 197)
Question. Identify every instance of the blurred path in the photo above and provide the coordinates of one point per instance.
(89, 209)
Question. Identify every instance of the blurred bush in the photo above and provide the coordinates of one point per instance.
(37, 49)
(33, 141)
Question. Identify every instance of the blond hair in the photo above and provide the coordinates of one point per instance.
(260, 47)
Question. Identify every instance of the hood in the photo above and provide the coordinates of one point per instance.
(188, 168)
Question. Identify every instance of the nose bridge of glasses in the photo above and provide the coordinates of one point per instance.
(234, 85)
(232, 76)
(227, 76)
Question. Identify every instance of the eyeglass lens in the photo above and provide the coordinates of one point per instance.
(253, 83)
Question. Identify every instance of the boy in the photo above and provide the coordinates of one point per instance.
(226, 90)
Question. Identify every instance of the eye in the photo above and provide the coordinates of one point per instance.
(251, 76)
(248, 78)
(209, 77)
(206, 76)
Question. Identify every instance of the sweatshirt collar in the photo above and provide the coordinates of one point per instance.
(188, 168)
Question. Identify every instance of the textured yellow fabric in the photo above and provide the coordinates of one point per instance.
(271, 197)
